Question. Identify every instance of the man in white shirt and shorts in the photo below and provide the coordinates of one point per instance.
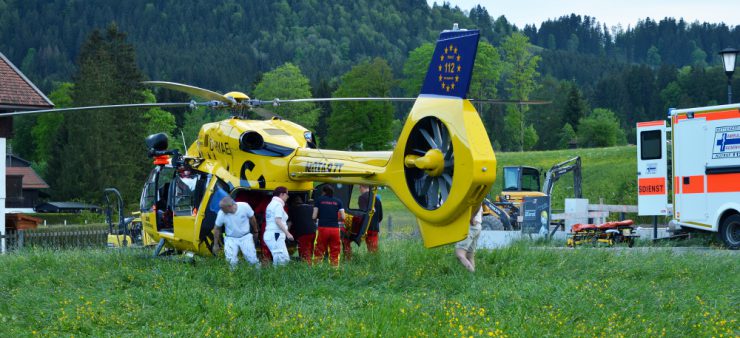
(236, 217)
(465, 249)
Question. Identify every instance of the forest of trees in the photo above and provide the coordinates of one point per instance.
(601, 80)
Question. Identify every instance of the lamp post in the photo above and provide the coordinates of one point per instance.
(728, 59)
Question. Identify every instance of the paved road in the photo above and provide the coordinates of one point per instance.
(676, 250)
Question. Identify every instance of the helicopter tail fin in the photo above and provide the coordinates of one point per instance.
(443, 165)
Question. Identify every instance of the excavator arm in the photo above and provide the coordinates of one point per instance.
(557, 171)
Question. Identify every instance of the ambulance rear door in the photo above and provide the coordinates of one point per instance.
(652, 169)
(690, 161)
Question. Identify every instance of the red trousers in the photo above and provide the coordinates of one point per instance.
(305, 246)
(346, 248)
(327, 238)
(371, 240)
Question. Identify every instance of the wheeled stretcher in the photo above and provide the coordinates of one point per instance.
(609, 233)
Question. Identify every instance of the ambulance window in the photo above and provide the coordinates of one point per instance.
(650, 145)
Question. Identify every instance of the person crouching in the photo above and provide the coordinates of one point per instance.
(237, 218)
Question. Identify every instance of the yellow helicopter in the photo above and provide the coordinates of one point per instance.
(441, 167)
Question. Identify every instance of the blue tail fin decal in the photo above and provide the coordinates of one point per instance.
(452, 64)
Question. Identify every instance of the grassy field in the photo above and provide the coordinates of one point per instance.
(404, 290)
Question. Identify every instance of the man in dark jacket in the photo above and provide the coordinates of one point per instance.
(325, 211)
(364, 202)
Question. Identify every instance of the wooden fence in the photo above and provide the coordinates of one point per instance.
(56, 238)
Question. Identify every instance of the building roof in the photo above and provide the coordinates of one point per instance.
(71, 205)
(16, 91)
(15, 161)
(31, 180)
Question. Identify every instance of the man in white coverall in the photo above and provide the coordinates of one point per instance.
(276, 227)
(236, 217)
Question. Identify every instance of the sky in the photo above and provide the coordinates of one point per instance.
(612, 13)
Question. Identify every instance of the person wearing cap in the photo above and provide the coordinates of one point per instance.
(238, 220)
(276, 227)
(325, 211)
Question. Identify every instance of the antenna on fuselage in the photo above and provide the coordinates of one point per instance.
(184, 144)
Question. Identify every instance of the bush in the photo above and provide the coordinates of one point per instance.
(600, 129)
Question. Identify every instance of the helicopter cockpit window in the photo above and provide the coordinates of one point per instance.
(156, 189)
(149, 195)
(163, 185)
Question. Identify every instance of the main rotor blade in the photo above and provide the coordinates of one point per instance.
(115, 106)
(192, 90)
(523, 103)
(277, 102)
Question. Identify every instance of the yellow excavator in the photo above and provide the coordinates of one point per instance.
(123, 231)
(523, 181)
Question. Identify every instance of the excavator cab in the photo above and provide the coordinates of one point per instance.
(520, 182)
(521, 179)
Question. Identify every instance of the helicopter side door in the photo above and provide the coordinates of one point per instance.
(155, 214)
(186, 192)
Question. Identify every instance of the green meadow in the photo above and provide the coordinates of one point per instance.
(528, 289)
(404, 290)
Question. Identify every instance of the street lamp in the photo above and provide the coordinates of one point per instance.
(728, 59)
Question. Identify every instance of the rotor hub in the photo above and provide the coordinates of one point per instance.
(433, 162)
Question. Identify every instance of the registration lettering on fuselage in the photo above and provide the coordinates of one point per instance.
(324, 167)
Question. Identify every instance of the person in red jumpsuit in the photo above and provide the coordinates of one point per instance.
(325, 211)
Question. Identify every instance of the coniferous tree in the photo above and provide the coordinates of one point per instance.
(102, 148)
(575, 106)
(324, 89)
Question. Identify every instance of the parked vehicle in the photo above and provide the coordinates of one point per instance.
(699, 168)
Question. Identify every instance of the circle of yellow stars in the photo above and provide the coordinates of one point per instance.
(449, 68)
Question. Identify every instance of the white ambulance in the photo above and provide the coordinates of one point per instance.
(700, 167)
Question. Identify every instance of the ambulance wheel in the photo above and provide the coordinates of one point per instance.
(729, 232)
